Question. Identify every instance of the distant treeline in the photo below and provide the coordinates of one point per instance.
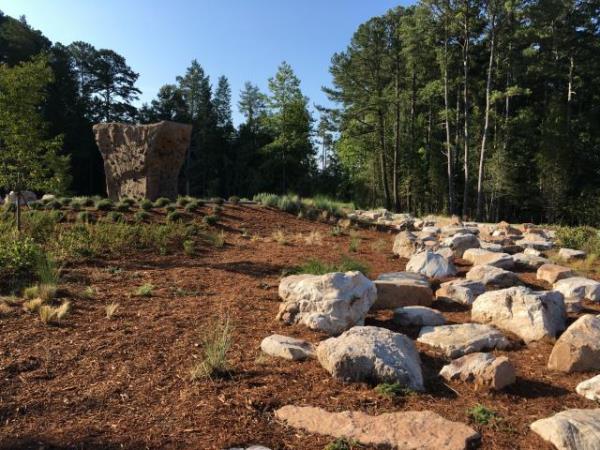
(485, 109)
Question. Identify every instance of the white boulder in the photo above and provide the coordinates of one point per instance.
(483, 369)
(287, 347)
(460, 339)
(418, 316)
(490, 275)
(431, 264)
(572, 429)
(460, 291)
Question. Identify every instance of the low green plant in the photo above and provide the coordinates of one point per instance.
(170, 208)
(56, 215)
(183, 201)
(316, 266)
(104, 205)
(128, 201)
(482, 415)
(65, 201)
(141, 216)
(234, 199)
(266, 199)
(115, 216)
(76, 205)
(123, 206)
(354, 244)
(144, 290)
(289, 203)
(192, 206)
(146, 204)
(342, 444)
(161, 202)
(393, 390)
(175, 216)
(189, 247)
(54, 315)
(217, 209)
(89, 292)
(217, 200)
(216, 344)
(216, 239)
(86, 217)
(210, 219)
(53, 204)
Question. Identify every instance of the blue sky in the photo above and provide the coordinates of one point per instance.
(242, 39)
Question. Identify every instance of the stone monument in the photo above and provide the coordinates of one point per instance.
(142, 161)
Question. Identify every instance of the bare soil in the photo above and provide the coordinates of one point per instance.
(124, 382)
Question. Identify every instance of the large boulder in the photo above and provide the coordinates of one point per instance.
(590, 388)
(528, 261)
(460, 291)
(405, 244)
(398, 289)
(578, 288)
(418, 316)
(578, 348)
(529, 314)
(330, 303)
(287, 347)
(479, 256)
(493, 276)
(372, 354)
(406, 430)
(142, 160)
(461, 242)
(460, 339)
(431, 264)
(483, 369)
(551, 273)
(570, 255)
(572, 429)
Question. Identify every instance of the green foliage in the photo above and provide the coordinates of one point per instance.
(146, 204)
(128, 201)
(318, 267)
(234, 200)
(189, 247)
(580, 238)
(122, 206)
(115, 216)
(141, 216)
(342, 444)
(354, 244)
(170, 208)
(144, 290)
(210, 219)
(161, 202)
(53, 204)
(175, 216)
(76, 205)
(290, 204)
(183, 201)
(86, 217)
(19, 258)
(482, 415)
(217, 200)
(393, 390)
(104, 205)
(216, 344)
(192, 206)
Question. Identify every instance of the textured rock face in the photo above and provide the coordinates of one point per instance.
(578, 288)
(431, 264)
(536, 242)
(553, 272)
(460, 291)
(461, 242)
(142, 160)
(410, 430)
(331, 303)
(372, 354)
(483, 369)
(287, 347)
(418, 316)
(573, 429)
(590, 389)
(528, 261)
(478, 256)
(490, 275)
(405, 244)
(578, 348)
(461, 339)
(397, 289)
(529, 314)
(569, 254)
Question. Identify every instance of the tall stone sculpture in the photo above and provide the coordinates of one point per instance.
(142, 161)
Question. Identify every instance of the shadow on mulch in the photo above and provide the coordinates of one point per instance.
(532, 389)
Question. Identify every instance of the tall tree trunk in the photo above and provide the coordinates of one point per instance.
(449, 155)
(384, 179)
(465, 207)
(486, 123)
(396, 138)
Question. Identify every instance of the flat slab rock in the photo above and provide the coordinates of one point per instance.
(372, 354)
(431, 264)
(578, 288)
(287, 347)
(410, 430)
(461, 339)
(573, 429)
(483, 369)
(460, 291)
(590, 389)
(553, 272)
(479, 256)
(531, 315)
(578, 348)
(569, 254)
(418, 316)
(493, 276)
(527, 261)
(398, 289)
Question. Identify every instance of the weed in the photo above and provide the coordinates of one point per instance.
(280, 237)
(215, 348)
(482, 415)
(89, 292)
(342, 444)
(354, 244)
(210, 219)
(144, 290)
(314, 238)
(86, 217)
(115, 217)
(189, 248)
(146, 204)
(33, 305)
(141, 216)
(111, 309)
(161, 202)
(104, 205)
(234, 199)
(175, 216)
(54, 315)
(391, 390)
(318, 267)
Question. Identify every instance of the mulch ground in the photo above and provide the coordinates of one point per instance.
(124, 382)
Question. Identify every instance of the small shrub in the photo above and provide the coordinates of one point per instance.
(89, 292)
(161, 202)
(481, 415)
(86, 217)
(122, 206)
(144, 290)
(217, 200)
(32, 305)
(234, 200)
(53, 205)
(341, 444)
(65, 201)
(265, 199)
(141, 216)
(280, 237)
(115, 217)
(318, 267)
(87, 201)
(215, 349)
(56, 216)
(170, 208)
(192, 206)
(183, 201)
(210, 219)
(54, 315)
(391, 390)
(314, 238)
(216, 239)
(290, 204)
(128, 201)
(104, 205)
(31, 292)
(354, 244)
(111, 309)
(189, 247)
(146, 204)
(76, 205)
(36, 205)
(174, 216)
(336, 231)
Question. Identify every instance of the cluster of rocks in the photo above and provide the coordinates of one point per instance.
(503, 311)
